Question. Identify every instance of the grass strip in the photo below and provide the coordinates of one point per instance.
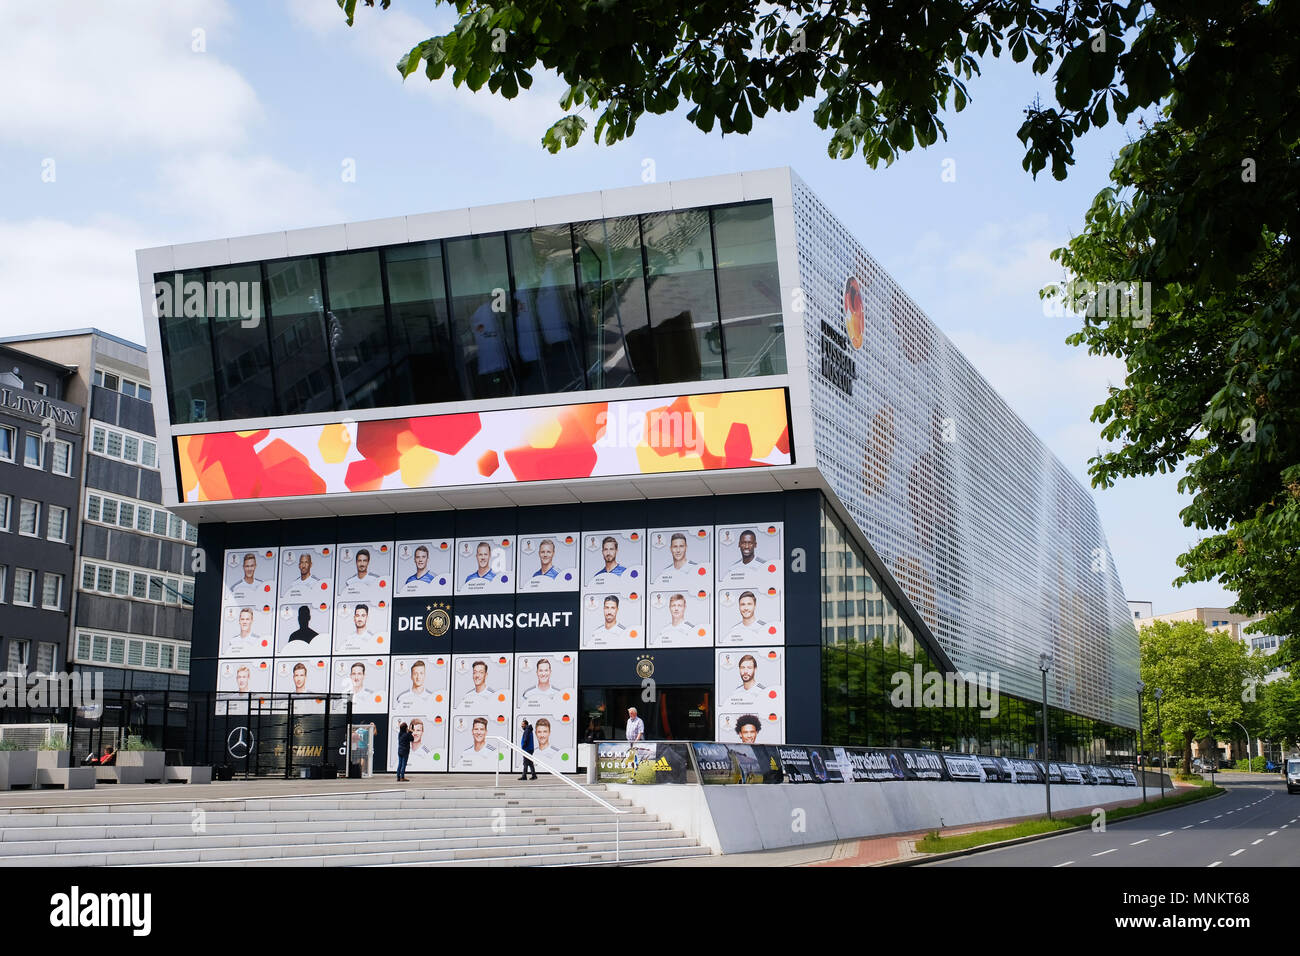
(934, 843)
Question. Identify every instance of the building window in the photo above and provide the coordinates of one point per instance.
(111, 381)
(62, 463)
(117, 651)
(183, 658)
(128, 388)
(83, 647)
(52, 591)
(121, 582)
(192, 533)
(4, 581)
(33, 451)
(6, 506)
(57, 525)
(131, 449)
(41, 388)
(167, 656)
(126, 514)
(24, 586)
(87, 577)
(149, 454)
(104, 580)
(8, 438)
(144, 393)
(155, 588)
(29, 517)
(47, 658)
(134, 653)
(174, 529)
(98, 437)
(110, 511)
(160, 522)
(114, 446)
(140, 586)
(18, 654)
(143, 518)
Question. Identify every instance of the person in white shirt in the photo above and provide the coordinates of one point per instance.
(750, 688)
(751, 627)
(418, 698)
(361, 639)
(681, 572)
(244, 643)
(480, 755)
(363, 583)
(543, 693)
(635, 726)
(678, 629)
(306, 584)
(482, 694)
(611, 631)
(248, 588)
(551, 755)
(751, 567)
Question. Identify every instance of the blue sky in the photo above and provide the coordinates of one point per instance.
(152, 142)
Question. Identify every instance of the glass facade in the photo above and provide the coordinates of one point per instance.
(870, 651)
(683, 296)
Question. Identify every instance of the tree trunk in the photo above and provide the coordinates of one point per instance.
(1187, 752)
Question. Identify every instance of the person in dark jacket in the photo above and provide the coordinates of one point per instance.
(404, 738)
(526, 743)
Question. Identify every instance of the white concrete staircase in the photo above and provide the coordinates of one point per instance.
(540, 825)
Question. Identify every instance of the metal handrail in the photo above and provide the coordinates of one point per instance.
(576, 786)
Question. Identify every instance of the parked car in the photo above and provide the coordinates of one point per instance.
(1293, 775)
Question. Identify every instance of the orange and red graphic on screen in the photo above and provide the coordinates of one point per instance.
(638, 436)
(855, 311)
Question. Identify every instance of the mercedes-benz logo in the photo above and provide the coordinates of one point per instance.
(239, 744)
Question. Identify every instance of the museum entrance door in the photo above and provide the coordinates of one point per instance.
(676, 713)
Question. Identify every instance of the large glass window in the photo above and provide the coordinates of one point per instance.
(425, 367)
(243, 354)
(481, 313)
(547, 339)
(683, 299)
(616, 328)
(358, 329)
(749, 290)
(306, 370)
(187, 350)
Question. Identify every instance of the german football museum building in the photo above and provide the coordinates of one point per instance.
(682, 446)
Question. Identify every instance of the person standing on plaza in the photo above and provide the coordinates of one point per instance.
(404, 738)
(526, 744)
(635, 726)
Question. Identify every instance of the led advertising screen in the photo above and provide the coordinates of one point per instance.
(643, 436)
(424, 568)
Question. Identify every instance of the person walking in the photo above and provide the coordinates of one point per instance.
(404, 739)
(526, 743)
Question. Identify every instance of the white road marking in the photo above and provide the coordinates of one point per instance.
(1135, 843)
(1166, 833)
(1205, 821)
(1235, 852)
(1272, 833)
(1104, 852)
(1190, 825)
(1257, 842)
(1217, 817)
(1066, 863)
(1214, 864)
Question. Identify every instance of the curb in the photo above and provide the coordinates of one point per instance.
(953, 854)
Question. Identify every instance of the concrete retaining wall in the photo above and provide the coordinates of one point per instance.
(737, 819)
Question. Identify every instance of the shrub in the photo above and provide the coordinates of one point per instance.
(138, 743)
(8, 746)
(54, 742)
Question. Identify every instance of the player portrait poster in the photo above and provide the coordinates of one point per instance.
(750, 682)
(303, 629)
(366, 679)
(485, 565)
(248, 577)
(613, 561)
(420, 684)
(612, 621)
(750, 556)
(302, 675)
(247, 631)
(362, 627)
(750, 616)
(424, 568)
(236, 679)
(307, 574)
(680, 617)
(548, 562)
(365, 573)
(481, 695)
(681, 558)
(428, 749)
(546, 692)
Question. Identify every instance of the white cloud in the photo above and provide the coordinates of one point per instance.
(90, 76)
(382, 37)
(56, 275)
(228, 195)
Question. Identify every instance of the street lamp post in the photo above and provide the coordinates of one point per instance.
(1214, 745)
(1141, 750)
(1160, 732)
(1044, 665)
(1250, 756)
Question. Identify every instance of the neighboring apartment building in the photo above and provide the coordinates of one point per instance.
(128, 564)
(40, 477)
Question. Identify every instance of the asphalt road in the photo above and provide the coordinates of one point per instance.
(1256, 823)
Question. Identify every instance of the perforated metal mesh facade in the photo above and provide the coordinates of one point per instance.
(998, 547)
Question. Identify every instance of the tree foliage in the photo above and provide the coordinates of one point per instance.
(1200, 672)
